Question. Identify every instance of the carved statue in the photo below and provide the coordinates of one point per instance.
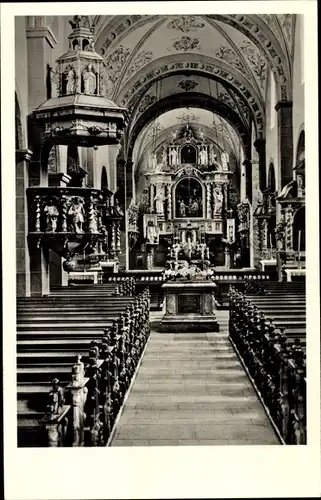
(202, 157)
(75, 23)
(151, 233)
(225, 160)
(218, 200)
(89, 78)
(52, 214)
(173, 156)
(71, 82)
(193, 207)
(78, 214)
(300, 186)
(182, 209)
(213, 156)
(159, 198)
(174, 135)
(117, 209)
(201, 134)
(154, 161)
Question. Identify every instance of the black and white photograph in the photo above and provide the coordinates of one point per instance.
(160, 230)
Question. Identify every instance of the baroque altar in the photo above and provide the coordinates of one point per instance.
(188, 191)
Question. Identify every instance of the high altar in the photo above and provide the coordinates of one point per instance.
(188, 192)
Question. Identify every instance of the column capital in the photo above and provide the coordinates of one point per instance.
(283, 104)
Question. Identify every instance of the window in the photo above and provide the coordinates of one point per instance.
(301, 41)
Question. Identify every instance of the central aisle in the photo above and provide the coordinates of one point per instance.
(191, 389)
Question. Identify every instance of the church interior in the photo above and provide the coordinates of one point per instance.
(160, 230)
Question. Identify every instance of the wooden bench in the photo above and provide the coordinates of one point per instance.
(270, 338)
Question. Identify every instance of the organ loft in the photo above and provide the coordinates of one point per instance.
(160, 194)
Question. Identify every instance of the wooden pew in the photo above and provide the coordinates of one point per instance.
(273, 352)
(46, 349)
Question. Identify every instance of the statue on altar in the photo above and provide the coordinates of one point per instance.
(151, 233)
(174, 135)
(225, 160)
(173, 156)
(159, 199)
(212, 155)
(202, 156)
(218, 200)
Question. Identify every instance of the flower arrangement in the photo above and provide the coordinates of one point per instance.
(184, 271)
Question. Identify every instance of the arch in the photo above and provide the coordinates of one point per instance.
(209, 67)
(196, 100)
(85, 43)
(271, 178)
(258, 28)
(188, 154)
(104, 178)
(188, 193)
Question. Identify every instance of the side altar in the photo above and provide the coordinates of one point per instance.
(189, 290)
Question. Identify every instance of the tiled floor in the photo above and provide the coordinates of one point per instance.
(191, 389)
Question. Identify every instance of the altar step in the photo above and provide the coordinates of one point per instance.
(192, 390)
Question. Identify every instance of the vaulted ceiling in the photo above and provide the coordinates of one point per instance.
(220, 63)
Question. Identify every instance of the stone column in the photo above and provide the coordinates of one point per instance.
(22, 255)
(169, 201)
(243, 178)
(248, 179)
(62, 156)
(284, 123)
(208, 200)
(152, 196)
(150, 257)
(259, 145)
(227, 257)
(40, 42)
(279, 245)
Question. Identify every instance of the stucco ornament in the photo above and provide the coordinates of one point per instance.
(186, 43)
(186, 24)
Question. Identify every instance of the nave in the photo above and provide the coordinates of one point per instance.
(86, 379)
(191, 389)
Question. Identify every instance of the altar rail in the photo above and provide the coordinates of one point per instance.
(84, 412)
(274, 358)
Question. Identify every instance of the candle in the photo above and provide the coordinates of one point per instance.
(270, 240)
(299, 241)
